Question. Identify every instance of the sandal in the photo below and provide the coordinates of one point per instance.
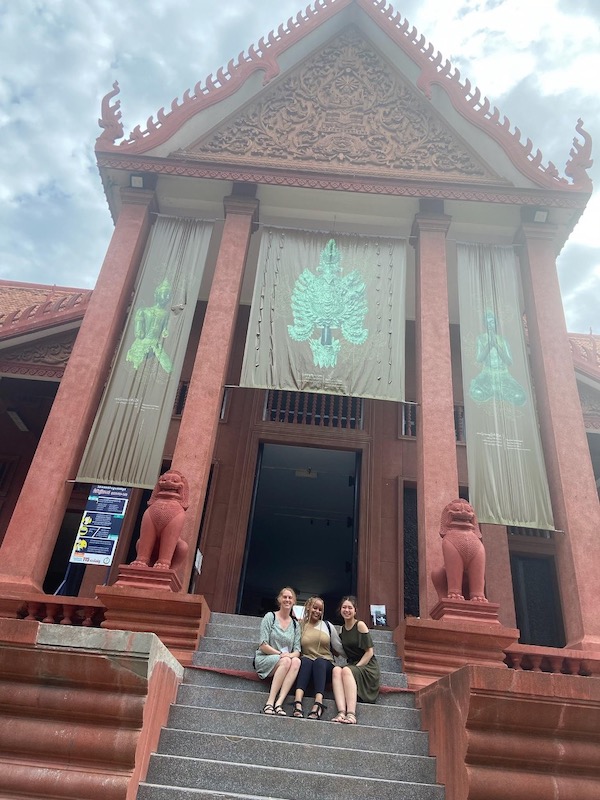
(341, 717)
(350, 718)
(268, 710)
(298, 712)
(317, 710)
(279, 711)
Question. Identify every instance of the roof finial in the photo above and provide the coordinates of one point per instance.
(110, 120)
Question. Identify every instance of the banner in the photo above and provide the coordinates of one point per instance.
(125, 447)
(328, 315)
(100, 525)
(507, 475)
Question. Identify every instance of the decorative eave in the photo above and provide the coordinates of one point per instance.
(59, 310)
(465, 99)
(585, 351)
(125, 161)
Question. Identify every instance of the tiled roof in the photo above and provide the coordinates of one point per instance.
(31, 306)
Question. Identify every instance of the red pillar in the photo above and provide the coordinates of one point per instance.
(198, 431)
(36, 520)
(437, 470)
(566, 452)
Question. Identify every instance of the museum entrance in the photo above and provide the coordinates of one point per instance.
(303, 527)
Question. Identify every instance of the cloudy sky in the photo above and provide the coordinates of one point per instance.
(537, 60)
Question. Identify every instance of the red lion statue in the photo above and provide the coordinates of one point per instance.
(160, 544)
(463, 572)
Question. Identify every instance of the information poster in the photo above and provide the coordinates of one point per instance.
(100, 525)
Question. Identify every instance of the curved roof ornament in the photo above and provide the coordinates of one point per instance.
(110, 120)
(466, 100)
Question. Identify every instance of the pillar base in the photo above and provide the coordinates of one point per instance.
(466, 610)
(431, 649)
(178, 620)
(148, 578)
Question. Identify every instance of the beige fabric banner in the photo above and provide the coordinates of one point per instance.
(328, 315)
(507, 474)
(125, 447)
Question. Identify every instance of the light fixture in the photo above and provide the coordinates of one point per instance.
(540, 215)
(16, 418)
(136, 181)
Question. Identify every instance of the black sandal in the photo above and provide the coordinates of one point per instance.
(318, 712)
(269, 710)
(298, 712)
(279, 711)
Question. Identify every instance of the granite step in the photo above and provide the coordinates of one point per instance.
(287, 783)
(385, 716)
(252, 724)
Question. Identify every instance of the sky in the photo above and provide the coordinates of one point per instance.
(538, 61)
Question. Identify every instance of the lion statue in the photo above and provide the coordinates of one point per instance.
(463, 574)
(160, 544)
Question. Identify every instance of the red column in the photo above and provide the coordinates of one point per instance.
(437, 470)
(566, 452)
(198, 431)
(36, 520)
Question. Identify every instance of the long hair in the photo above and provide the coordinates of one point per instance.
(308, 608)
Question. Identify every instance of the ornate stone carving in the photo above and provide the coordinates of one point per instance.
(160, 544)
(464, 555)
(347, 109)
(590, 399)
(53, 352)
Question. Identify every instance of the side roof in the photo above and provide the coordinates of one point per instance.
(26, 308)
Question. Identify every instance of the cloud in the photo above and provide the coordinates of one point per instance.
(538, 61)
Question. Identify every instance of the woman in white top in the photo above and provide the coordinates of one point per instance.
(319, 643)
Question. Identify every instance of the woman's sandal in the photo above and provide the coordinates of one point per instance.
(297, 709)
(350, 718)
(341, 717)
(317, 710)
(269, 710)
(280, 711)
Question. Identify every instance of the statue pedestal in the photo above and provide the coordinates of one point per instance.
(178, 620)
(433, 648)
(466, 610)
(135, 577)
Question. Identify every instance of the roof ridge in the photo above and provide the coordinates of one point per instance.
(466, 99)
(45, 312)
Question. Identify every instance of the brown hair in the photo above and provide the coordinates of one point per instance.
(351, 599)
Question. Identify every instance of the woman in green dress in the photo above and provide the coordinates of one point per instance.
(360, 679)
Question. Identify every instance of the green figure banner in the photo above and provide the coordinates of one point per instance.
(125, 447)
(507, 474)
(328, 315)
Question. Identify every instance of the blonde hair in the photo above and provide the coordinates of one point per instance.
(287, 589)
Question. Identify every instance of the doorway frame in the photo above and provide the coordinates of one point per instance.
(229, 574)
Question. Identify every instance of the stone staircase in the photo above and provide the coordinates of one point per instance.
(218, 745)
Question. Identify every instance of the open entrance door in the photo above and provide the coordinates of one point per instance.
(302, 530)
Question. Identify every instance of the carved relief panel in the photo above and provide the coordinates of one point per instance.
(345, 110)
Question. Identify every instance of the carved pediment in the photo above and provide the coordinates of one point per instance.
(43, 358)
(345, 109)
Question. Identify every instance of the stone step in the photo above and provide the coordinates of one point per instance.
(267, 781)
(380, 715)
(241, 647)
(304, 731)
(149, 791)
(197, 676)
(332, 758)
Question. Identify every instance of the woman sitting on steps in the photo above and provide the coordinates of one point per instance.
(278, 654)
(319, 643)
(361, 678)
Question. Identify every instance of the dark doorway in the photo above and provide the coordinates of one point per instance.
(537, 604)
(303, 527)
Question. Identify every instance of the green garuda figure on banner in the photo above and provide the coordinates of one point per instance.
(329, 301)
(151, 330)
(494, 379)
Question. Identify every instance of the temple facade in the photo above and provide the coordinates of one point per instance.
(324, 401)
